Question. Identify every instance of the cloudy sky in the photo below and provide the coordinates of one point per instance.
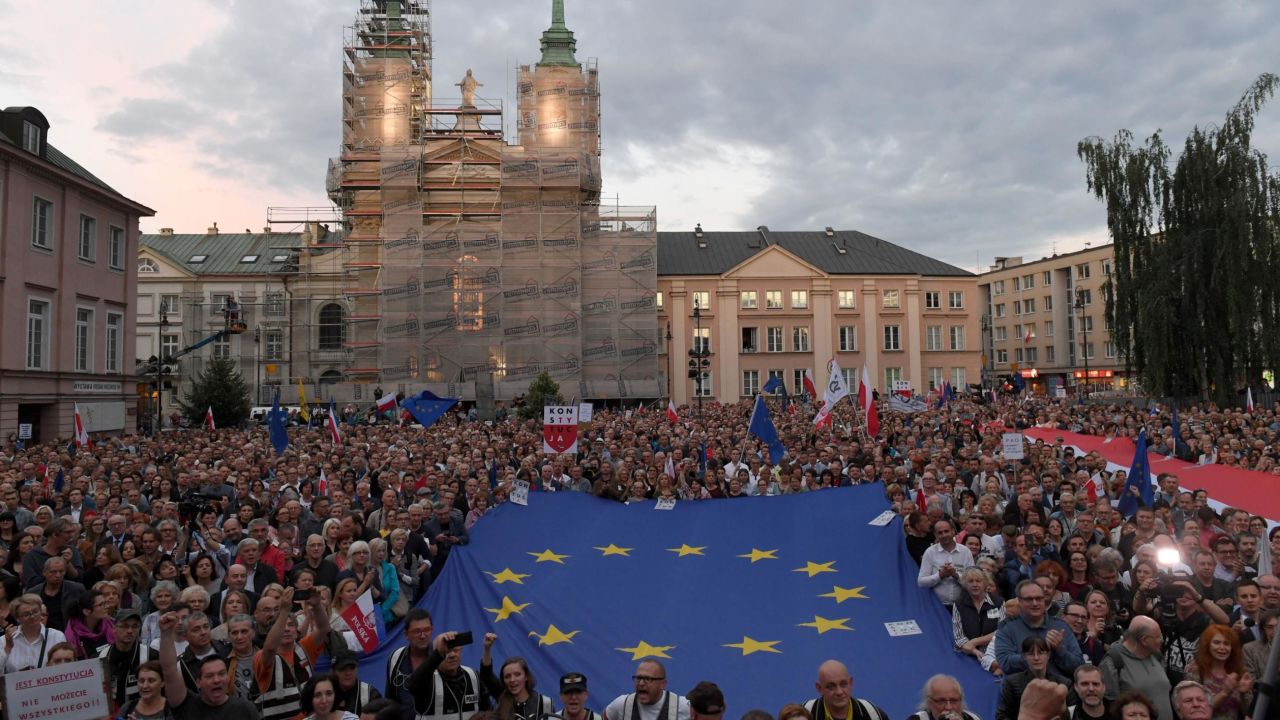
(946, 127)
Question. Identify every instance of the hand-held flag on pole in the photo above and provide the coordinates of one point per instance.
(867, 401)
(809, 386)
(82, 435)
(1091, 487)
(335, 434)
(837, 389)
(672, 416)
(1139, 481)
(387, 402)
(1248, 400)
(670, 469)
(761, 426)
(360, 617)
(426, 407)
(209, 424)
(279, 435)
(322, 485)
(772, 385)
(304, 411)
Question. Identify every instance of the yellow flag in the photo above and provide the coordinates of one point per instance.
(302, 402)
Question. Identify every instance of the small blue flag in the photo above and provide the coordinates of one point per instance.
(1139, 479)
(279, 436)
(21, 444)
(761, 426)
(773, 385)
(1177, 431)
(702, 459)
(426, 407)
(59, 480)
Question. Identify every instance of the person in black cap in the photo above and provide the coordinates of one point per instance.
(573, 698)
(124, 656)
(350, 693)
(706, 701)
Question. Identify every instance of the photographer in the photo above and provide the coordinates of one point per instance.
(1183, 618)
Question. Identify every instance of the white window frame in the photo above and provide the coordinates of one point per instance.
(935, 378)
(891, 374)
(112, 337)
(772, 299)
(703, 384)
(1002, 333)
(749, 299)
(1047, 305)
(997, 287)
(775, 339)
(1046, 278)
(42, 223)
(273, 304)
(1048, 328)
(1029, 306)
(82, 359)
(932, 300)
(701, 340)
(891, 299)
(797, 381)
(31, 136)
(221, 349)
(37, 343)
(702, 299)
(1083, 272)
(659, 300)
(1050, 354)
(800, 338)
(750, 382)
(115, 247)
(1002, 356)
(799, 299)
(167, 341)
(846, 299)
(848, 338)
(1001, 310)
(87, 243)
(959, 379)
(1029, 281)
(1017, 307)
(892, 337)
(1109, 349)
(957, 338)
(753, 347)
(933, 338)
(173, 309)
(850, 378)
(273, 344)
(955, 300)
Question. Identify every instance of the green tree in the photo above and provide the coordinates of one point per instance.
(542, 391)
(222, 388)
(1193, 305)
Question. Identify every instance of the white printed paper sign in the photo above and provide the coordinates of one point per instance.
(560, 429)
(903, 628)
(883, 518)
(520, 492)
(665, 504)
(1013, 446)
(71, 691)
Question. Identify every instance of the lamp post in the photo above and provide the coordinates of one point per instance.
(257, 365)
(668, 338)
(160, 361)
(1084, 342)
(698, 361)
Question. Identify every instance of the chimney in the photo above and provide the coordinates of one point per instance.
(166, 232)
(213, 230)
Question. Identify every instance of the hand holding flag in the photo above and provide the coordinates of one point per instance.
(208, 420)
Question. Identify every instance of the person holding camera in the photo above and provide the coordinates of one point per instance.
(1183, 618)
(442, 686)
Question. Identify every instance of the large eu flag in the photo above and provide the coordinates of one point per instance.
(752, 594)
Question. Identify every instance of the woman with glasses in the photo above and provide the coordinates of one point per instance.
(26, 644)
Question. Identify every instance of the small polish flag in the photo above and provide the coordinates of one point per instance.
(208, 419)
(322, 485)
(1248, 400)
(809, 386)
(387, 402)
(1092, 486)
(867, 400)
(335, 434)
(360, 619)
(672, 415)
(82, 435)
(1028, 337)
(671, 468)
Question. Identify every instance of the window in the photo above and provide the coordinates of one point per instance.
(1029, 306)
(333, 331)
(702, 385)
(1082, 271)
(1088, 296)
(955, 300)
(42, 224)
(1046, 278)
(998, 287)
(273, 304)
(892, 338)
(147, 266)
(1002, 357)
(1017, 332)
(1106, 268)
(702, 300)
(933, 300)
(37, 335)
(274, 341)
(222, 348)
(957, 338)
(168, 346)
(797, 382)
(750, 382)
(1017, 307)
(1000, 310)
(1029, 330)
(1048, 328)
(1001, 334)
(890, 299)
(773, 339)
(31, 137)
(1109, 349)
(750, 339)
(1049, 353)
(1017, 354)
(799, 299)
(891, 375)
(777, 373)
(660, 304)
(197, 259)
(169, 305)
(84, 340)
(958, 379)
(279, 258)
(933, 337)
(115, 326)
(749, 299)
(702, 340)
(850, 378)
(935, 378)
(1028, 281)
(845, 299)
(799, 339)
(218, 303)
(1031, 355)
(1088, 351)
(848, 338)
(1088, 323)
(1048, 303)
(773, 300)
(115, 248)
(249, 259)
(1017, 284)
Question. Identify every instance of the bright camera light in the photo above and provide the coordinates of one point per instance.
(1168, 557)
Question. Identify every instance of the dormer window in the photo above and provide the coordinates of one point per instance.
(31, 137)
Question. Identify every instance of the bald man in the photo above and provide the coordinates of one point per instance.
(1135, 664)
(836, 701)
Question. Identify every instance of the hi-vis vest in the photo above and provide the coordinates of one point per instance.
(469, 702)
(670, 703)
(283, 700)
(141, 652)
(868, 709)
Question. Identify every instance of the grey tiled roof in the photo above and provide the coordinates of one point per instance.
(679, 254)
(225, 250)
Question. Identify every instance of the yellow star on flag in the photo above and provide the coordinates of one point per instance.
(554, 636)
(688, 550)
(507, 576)
(749, 646)
(757, 554)
(508, 609)
(814, 568)
(612, 549)
(549, 556)
(842, 594)
(822, 624)
(644, 650)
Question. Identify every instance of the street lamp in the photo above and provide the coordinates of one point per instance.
(698, 360)
(257, 365)
(668, 338)
(160, 361)
(1084, 342)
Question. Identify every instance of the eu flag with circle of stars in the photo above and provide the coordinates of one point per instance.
(752, 594)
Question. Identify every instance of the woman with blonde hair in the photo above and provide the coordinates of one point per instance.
(345, 595)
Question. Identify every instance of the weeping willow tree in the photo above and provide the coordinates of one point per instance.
(1194, 300)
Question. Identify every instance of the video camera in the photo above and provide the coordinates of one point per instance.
(193, 503)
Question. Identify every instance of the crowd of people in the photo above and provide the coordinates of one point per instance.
(206, 569)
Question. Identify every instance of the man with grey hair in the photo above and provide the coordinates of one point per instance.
(1191, 700)
(943, 699)
(1135, 664)
(260, 574)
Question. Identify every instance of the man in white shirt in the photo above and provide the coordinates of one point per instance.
(942, 562)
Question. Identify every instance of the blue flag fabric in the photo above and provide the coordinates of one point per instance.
(773, 385)
(752, 594)
(761, 426)
(59, 480)
(426, 407)
(1177, 432)
(279, 436)
(1140, 478)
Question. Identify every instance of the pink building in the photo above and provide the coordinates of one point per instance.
(68, 244)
